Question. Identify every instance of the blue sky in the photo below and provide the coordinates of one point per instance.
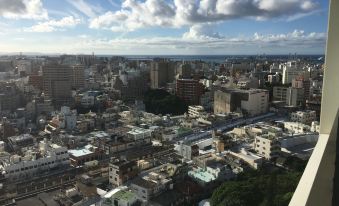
(163, 26)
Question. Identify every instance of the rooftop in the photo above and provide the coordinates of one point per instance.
(80, 152)
(202, 175)
(124, 195)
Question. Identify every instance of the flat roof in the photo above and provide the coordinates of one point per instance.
(202, 175)
(115, 190)
(79, 152)
(124, 195)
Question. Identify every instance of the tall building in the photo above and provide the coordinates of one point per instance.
(252, 102)
(189, 90)
(132, 84)
(36, 81)
(295, 97)
(57, 83)
(162, 72)
(10, 97)
(301, 82)
(290, 71)
(78, 76)
(279, 93)
(185, 71)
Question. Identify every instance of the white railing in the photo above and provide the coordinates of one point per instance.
(316, 184)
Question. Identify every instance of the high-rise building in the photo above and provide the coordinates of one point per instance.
(189, 90)
(290, 71)
(301, 82)
(295, 97)
(10, 97)
(78, 76)
(57, 83)
(185, 71)
(36, 81)
(279, 93)
(252, 102)
(162, 72)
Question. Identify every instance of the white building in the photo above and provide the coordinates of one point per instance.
(213, 171)
(295, 96)
(297, 127)
(257, 102)
(267, 146)
(305, 117)
(32, 163)
(138, 133)
(290, 71)
(195, 111)
(253, 160)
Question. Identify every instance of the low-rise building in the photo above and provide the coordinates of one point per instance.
(46, 157)
(251, 159)
(150, 185)
(122, 197)
(305, 117)
(138, 133)
(17, 142)
(212, 172)
(267, 145)
(195, 111)
(297, 127)
(78, 157)
(121, 171)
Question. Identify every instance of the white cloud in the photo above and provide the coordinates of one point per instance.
(177, 13)
(284, 43)
(84, 7)
(202, 31)
(54, 25)
(22, 9)
(198, 40)
(107, 20)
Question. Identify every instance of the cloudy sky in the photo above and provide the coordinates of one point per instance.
(164, 26)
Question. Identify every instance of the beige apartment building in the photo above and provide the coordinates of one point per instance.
(252, 102)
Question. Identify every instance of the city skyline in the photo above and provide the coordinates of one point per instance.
(163, 27)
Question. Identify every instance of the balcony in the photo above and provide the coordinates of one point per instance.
(319, 183)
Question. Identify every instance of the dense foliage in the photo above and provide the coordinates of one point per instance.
(265, 187)
(161, 102)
